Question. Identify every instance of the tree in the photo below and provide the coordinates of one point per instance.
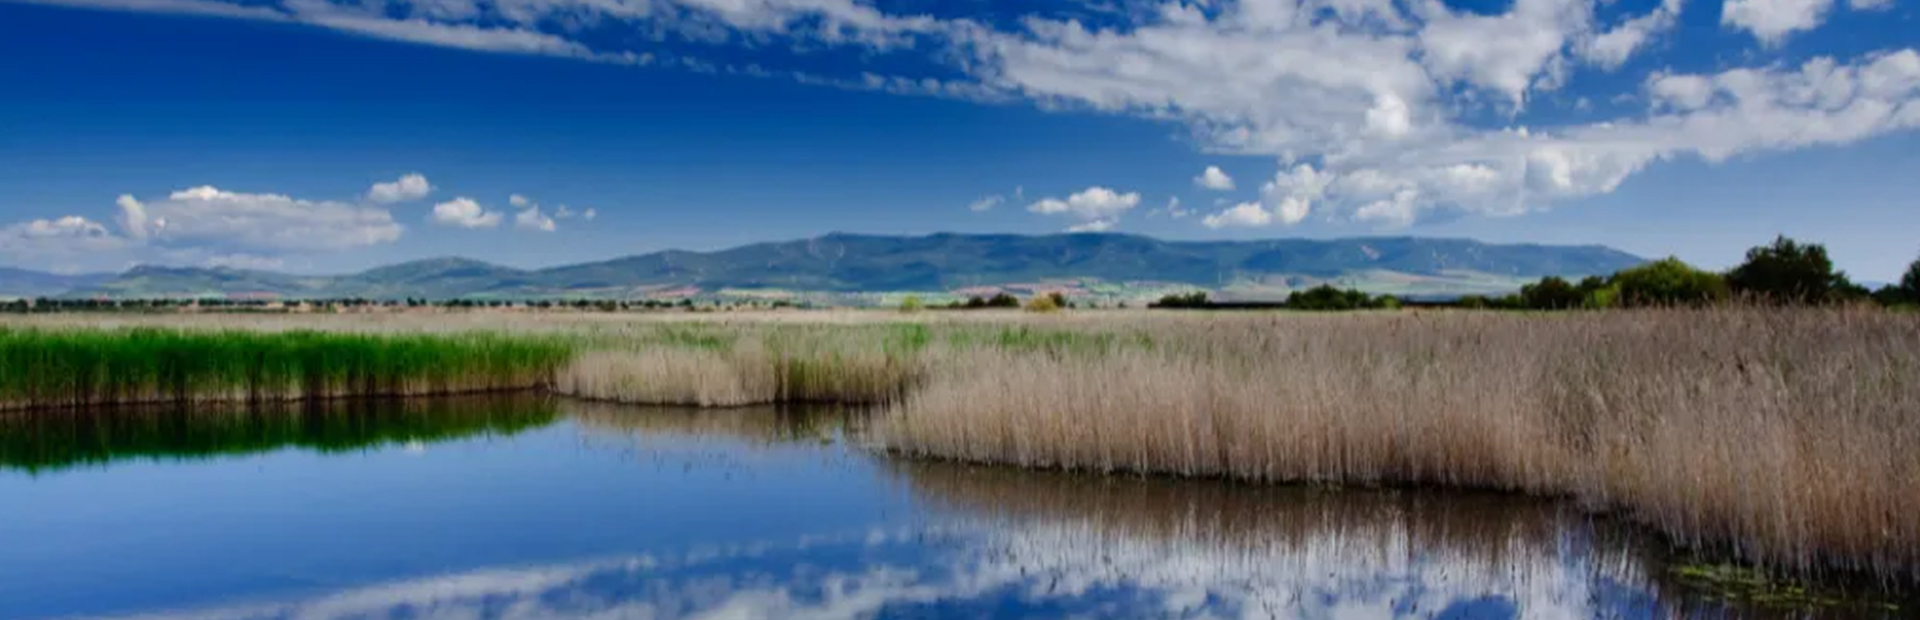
(1326, 297)
(911, 304)
(1909, 288)
(1044, 303)
(1003, 300)
(1551, 293)
(1667, 282)
(1911, 281)
(1196, 299)
(1789, 272)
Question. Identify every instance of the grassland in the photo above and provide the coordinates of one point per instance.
(1783, 436)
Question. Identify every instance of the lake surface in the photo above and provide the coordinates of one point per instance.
(538, 508)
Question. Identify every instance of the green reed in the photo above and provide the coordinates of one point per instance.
(78, 367)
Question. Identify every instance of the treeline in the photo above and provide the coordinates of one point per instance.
(1785, 272)
(1323, 297)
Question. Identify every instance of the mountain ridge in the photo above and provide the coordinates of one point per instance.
(851, 263)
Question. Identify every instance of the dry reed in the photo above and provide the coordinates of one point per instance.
(1788, 436)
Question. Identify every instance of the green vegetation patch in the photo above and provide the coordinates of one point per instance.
(40, 368)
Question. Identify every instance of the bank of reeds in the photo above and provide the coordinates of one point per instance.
(747, 365)
(1789, 437)
(64, 368)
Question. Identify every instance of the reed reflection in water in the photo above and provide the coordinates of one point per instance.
(51, 441)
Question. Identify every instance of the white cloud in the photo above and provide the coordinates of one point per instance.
(518, 201)
(1869, 5)
(1613, 47)
(986, 203)
(1505, 53)
(411, 186)
(202, 225)
(1093, 203)
(56, 241)
(1214, 178)
(464, 212)
(589, 213)
(133, 217)
(1398, 105)
(1772, 20)
(532, 219)
(1172, 210)
(1243, 215)
(265, 222)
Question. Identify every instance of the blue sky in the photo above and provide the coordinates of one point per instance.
(323, 136)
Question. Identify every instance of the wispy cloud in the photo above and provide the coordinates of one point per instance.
(1386, 104)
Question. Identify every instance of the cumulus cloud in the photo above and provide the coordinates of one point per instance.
(413, 186)
(1214, 178)
(464, 212)
(532, 219)
(269, 222)
(1097, 208)
(1243, 215)
(518, 201)
(201, 225)
(1612, 48)
(1772, 20)
(1091, 204)
(58, 239)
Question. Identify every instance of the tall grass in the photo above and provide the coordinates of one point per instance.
(1789, 437)
(76, 367)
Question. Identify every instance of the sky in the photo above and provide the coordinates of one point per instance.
(325, 136)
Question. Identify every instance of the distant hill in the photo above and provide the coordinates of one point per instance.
(846, 263)
(23, 283)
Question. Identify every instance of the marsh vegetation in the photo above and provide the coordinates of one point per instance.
(1781, 436)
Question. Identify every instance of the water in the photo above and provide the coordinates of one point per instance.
(535, 508)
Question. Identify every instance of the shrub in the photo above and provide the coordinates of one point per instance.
(912, 304)
(1668, 282)
(1044, 303)
(1003, 300)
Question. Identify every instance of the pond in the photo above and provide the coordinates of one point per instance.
(539, 508)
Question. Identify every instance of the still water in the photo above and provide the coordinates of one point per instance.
(536, 508)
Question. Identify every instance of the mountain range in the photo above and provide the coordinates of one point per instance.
(856, 264)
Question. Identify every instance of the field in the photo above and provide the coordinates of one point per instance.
(1783, 436)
